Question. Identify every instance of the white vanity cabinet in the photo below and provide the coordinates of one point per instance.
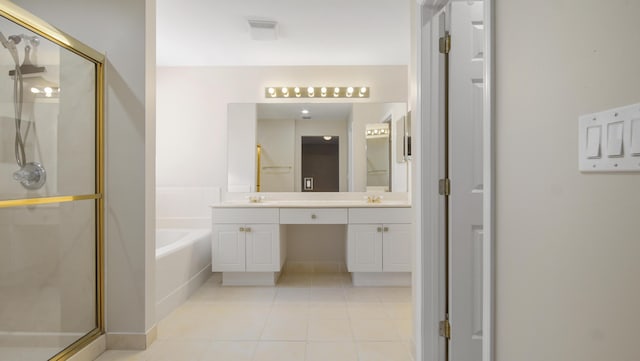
(246, 240)
(248, 244)
(364, 248)
(245, 247)
(379, 240)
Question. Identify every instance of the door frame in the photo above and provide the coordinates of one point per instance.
(429, 204)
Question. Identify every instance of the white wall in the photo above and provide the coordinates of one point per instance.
(120, 29)
(567, 244)
(192, 110)
(242, 150)
(316, 248)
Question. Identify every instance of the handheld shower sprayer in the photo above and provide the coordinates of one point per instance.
(31, 175)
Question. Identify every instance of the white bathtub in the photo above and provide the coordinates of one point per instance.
(183, 264)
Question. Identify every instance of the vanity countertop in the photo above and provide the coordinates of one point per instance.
(311, 204)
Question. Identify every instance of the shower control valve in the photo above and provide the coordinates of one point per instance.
(32, 176)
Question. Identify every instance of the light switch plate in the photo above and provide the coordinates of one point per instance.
(609, 140)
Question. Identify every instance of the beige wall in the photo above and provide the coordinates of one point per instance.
(568, 244)
(192, 110)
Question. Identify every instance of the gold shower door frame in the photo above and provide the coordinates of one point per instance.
(23, 18)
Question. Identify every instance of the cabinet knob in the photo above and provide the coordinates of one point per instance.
(313, 216)
(385, 229)
(241, 229)
(379, 229)
(247, 229)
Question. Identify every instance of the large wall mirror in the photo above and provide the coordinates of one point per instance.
(317, 147)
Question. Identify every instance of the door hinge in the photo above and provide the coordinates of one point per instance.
(445, 329)
(445, 44)
(444, 187)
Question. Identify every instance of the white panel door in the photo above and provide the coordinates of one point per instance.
(263, 247)
(396, 248)
(364, 248)
(465, 149)
(228, 248)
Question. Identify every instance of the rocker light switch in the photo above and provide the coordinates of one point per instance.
(635, 137)
(593, 142)
(609, 140)
(308, 183)
(614, 139)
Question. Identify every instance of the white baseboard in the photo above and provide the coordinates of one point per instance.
(381, 279)
(131, 341)
(315, 267)
(250, 278)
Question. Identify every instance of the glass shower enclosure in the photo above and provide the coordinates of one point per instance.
(51, 190)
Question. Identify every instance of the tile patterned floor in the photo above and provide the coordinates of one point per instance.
(306, 317)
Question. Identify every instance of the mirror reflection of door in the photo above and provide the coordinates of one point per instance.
(378, 157)
(320, 164)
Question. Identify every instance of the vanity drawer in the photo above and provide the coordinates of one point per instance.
(380, 215)
(245, 215)
(313, 216)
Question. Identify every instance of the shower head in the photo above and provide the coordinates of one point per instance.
(6, 43)
(11, 46)
(16, 39)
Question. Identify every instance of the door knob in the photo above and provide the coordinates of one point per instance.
(313, 216)
(241, 229)
(379, 229)
(386, 229)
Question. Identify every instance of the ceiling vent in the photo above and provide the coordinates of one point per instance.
(260, 29)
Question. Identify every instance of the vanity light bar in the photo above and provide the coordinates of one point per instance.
(380, 131)
(317, 92)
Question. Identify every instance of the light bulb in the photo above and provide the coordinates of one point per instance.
(297, 91)
(305, 111)
(310, 92)
(327, 137)
(349, 91)
(323, 92)
(336, 92)
(363, 91)
(35, 90)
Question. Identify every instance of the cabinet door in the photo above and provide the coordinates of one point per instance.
(263, 247)
(364, 248)
(396, 243)
(228, 248)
